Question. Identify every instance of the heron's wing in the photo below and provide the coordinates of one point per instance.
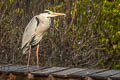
(29, 32)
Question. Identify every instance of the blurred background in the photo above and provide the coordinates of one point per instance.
(89, 35)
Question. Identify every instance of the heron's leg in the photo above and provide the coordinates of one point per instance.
(29, 54)
(37, 50)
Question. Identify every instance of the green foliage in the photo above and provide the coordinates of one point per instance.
(110, 13)
(19, 10)
(11, 1)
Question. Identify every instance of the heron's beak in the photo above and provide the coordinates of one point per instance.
(58, 14)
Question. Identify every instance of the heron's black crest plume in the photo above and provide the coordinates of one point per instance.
(46, 11)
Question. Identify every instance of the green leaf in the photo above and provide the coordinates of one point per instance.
(115, 46)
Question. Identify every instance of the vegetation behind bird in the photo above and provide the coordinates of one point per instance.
(89, 36)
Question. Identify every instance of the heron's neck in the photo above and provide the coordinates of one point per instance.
(44, 19)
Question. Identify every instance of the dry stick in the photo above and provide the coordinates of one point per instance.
(3, 14)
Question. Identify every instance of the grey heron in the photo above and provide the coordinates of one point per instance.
(35, 30)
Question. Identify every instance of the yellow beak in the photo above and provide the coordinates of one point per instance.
(58, 14)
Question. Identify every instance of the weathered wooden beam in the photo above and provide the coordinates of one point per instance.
(47, 71)
(20, 72)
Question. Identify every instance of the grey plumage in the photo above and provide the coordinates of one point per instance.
(36, 29)
(34, 32)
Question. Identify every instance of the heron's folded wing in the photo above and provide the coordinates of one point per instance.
(29, 32)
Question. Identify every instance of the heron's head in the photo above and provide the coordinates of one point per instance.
(49, 14)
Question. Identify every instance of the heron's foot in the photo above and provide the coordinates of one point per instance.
(28, 70)
(38, 66)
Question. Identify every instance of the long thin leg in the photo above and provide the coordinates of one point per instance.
(29, 54)
(37, 50)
